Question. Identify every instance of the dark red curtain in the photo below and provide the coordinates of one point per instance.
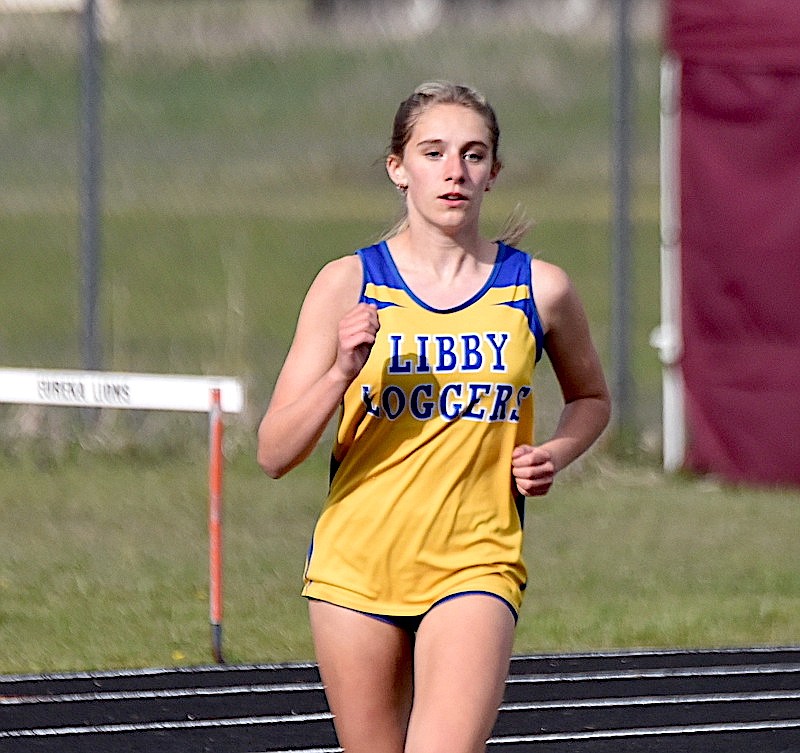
(740, 218)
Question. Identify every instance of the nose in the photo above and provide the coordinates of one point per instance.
(454, 168)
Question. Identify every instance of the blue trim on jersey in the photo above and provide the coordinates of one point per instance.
(389, 275)
(511, 267)
(376, 302)
(410, 623)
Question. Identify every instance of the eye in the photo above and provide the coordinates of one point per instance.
(474, 156)
(433, 153)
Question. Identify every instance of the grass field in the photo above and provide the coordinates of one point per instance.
(104, 563)
(242, 151)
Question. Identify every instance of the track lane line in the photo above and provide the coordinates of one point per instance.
(141, 695)
(656, 674)
(688, 729)
(165, 725)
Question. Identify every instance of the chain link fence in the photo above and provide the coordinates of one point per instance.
(241, 147)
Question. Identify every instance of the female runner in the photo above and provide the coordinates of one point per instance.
(426, 344)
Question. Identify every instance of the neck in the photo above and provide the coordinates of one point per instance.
(431, 245)
(440, 256)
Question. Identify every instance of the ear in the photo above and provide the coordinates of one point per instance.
(396, 171)
(493, 175)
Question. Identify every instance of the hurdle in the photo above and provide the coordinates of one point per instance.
(214, 395)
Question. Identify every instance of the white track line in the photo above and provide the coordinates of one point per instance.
(168, 725)
(688, 729)
(123, 695)
(154, 672)
(317, 716)
(661, 674)
(654, 700)
(504, 740)
(671, 652)
(140, 695)
(304, 750)
(533, 679)
(212, 668)
(611, 734)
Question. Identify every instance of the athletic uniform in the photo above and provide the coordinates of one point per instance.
(422, 505)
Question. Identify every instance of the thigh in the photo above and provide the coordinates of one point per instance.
(462, 656)
(366, 666)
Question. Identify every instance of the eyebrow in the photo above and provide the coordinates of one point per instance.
(438, 142)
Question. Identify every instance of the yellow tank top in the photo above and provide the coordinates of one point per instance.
(421, 503)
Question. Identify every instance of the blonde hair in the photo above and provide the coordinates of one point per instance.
(409, 112)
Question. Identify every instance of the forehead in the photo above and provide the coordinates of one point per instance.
(447, 122)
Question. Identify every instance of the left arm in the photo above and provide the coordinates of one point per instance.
(587, 404)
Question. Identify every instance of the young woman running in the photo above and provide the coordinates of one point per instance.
(426, 344)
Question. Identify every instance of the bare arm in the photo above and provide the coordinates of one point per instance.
(331, 344)
(587, 404)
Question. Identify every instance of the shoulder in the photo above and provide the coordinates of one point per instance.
(340, 272)
(339, 280)
(335, 290)
(550, 281)
(553, 291)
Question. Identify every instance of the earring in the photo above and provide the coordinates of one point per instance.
(400, 187)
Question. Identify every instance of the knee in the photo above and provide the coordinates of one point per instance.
(444, 738)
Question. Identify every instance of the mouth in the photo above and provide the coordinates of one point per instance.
(455, 196)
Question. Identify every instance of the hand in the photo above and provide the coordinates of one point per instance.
(533, 470)
(357, 331)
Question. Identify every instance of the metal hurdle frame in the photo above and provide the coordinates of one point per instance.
(170, 392)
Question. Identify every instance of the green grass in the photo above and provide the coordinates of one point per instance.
(233, 170)
(633, 559)
(106, 564)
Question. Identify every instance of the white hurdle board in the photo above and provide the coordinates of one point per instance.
(109, 389)
(173, 392)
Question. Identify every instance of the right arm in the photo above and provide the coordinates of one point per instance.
(332, 342)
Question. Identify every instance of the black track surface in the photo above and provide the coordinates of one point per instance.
(730, 701)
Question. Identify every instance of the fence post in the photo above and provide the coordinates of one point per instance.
(91, 345)
(621, 260)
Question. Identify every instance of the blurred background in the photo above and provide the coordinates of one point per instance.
(240, 146)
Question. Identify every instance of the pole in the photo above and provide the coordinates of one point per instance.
(622, 381)
(91, 355)
(215, 523)
(667, 338)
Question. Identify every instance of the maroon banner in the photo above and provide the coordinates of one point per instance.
(737, 33)
(740, 245)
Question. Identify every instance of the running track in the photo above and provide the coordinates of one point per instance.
(730, 701)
